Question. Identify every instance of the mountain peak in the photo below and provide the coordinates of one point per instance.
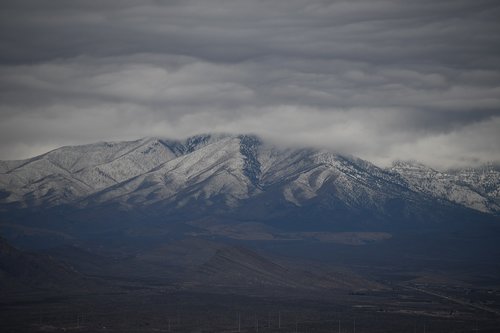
(409, 164)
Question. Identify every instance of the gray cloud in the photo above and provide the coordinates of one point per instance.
(379, 79)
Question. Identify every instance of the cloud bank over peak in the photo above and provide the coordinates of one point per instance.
(384, 80)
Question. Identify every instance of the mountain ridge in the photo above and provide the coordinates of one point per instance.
(228, 171)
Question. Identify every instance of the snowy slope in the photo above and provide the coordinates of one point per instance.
(228, 171)
(74, 172)
(233, 169)
(215, 169)
(474, 188)
(485, 180)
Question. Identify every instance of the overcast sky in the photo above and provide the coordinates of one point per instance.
(382, 80)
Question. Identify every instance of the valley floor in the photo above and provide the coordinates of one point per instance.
(137, 307)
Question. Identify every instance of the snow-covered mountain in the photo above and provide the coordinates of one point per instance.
(478, 188)
(69, 174)
(224, 174)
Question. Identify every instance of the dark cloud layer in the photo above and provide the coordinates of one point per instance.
(379, 79)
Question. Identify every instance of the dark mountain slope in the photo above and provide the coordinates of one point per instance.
(26, 271)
